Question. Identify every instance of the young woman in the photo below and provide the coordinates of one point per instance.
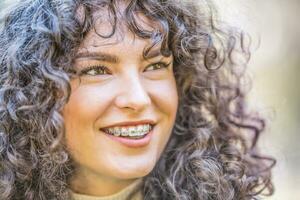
(125, 100)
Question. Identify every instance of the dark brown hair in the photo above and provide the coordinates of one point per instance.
(212, 153)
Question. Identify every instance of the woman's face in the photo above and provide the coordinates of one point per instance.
(117, 85)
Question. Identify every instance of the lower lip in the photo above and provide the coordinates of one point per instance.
(132, 143)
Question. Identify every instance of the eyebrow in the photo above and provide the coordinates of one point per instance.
(105, 57)
(101, 56)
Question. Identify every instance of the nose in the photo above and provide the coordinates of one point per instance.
(132, 94)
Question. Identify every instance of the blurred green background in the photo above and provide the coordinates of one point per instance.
(275, 71)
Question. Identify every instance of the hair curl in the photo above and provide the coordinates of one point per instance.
(212, 153)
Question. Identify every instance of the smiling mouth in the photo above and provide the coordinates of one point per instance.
(130, 132)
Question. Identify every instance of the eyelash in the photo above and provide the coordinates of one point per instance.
(164, 65)
(94, 67)
(103, 68)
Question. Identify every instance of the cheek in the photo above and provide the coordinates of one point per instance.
(86, 104)
(84, 108)
(165, 96)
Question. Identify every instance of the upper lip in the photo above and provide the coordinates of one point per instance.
(131, 123)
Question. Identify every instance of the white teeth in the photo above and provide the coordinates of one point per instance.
(115, 131)
(140, 127)
(124, 131)
(131, 131)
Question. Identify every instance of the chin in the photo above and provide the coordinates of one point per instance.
(133, 172)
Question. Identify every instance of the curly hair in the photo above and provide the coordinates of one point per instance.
(212, 153)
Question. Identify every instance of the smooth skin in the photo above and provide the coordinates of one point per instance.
(121, 86)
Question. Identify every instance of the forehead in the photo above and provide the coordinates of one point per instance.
(112, 27)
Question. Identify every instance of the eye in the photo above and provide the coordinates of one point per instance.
(95, 70)
(157, 66)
